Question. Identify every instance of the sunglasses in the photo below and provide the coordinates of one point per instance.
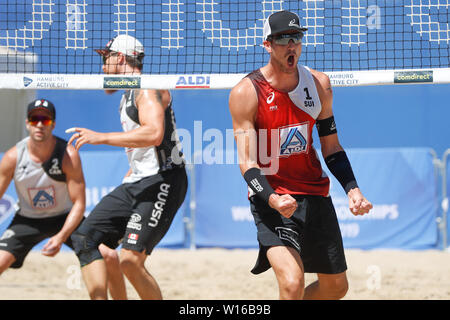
(283, 39)
(105, 57)
(34, 120)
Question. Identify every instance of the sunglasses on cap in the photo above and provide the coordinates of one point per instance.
(35, 119)
(283, 39)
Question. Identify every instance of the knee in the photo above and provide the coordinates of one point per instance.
(85, 247)
(130, 261)
(341, 288)
(291, 286)
(338, 288)
(109, 255)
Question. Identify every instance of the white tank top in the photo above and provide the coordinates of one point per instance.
(40, 195)
(151, 160)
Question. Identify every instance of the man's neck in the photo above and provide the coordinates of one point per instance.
(40, 151)
(279, 79)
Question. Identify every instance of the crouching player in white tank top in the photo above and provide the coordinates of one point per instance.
(50, 186)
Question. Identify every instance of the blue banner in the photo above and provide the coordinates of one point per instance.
(103, 172)
(222, 216)
(402, 186)
(447, 196)
(400, 183)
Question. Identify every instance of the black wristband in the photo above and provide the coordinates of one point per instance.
(325, 127)
(258, 183)
(340, 167)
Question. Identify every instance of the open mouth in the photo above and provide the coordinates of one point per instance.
(291, 60)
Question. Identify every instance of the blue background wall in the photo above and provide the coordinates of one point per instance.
(367, 117)
(373, 123)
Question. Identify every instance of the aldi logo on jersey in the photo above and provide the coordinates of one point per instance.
(293, 139)
(42, 198)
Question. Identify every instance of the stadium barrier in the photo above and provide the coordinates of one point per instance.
(402, 184)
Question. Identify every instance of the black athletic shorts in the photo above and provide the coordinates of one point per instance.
(137, 214)
(24, 233)
(313, 230)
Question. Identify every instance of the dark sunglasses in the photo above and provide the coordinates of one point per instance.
(105, 57)
(34, 120)
(283, 39)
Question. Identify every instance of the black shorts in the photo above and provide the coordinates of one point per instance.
(138, 214)
(313, 230)
(24, 233)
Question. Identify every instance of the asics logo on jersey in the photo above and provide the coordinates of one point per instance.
(270, 98)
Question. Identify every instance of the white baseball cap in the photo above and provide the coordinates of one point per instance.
(125, 44)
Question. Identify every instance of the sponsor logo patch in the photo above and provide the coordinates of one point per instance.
(7, 234)
(193, 82)
(413, 76)
(293, 139)
(42, 198)
(158, 209)
(289, 235)
(121, 82)
(132, 238)
(27, 81)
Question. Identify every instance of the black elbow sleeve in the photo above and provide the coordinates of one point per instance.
(340, 167)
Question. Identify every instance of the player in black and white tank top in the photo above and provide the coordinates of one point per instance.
(139, 212)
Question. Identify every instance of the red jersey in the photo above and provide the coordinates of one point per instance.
(284, 125)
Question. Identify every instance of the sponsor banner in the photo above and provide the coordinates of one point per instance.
(402, 186)
(445, 202)
(413, 76)
(344, 78)
(193, 82)
(46, 82)
(400, 183)
(222, 215)
(121, 82)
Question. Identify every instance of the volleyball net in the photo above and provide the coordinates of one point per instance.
(49, 44)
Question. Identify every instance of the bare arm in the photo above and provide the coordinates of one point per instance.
(243, 105)
(76, 188)
(330, 145)
(7, 168)
(151, 105)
